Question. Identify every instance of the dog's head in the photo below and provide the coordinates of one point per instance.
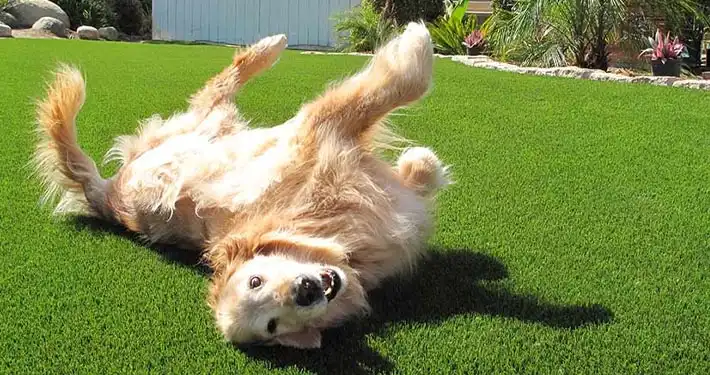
(281, 289)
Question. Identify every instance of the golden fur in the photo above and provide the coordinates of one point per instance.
(291, 202)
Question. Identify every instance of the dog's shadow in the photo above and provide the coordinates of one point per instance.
(172, 254)
(450, 282)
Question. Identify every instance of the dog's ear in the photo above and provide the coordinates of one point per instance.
(232, 249)
(309, 338)
(225, 257)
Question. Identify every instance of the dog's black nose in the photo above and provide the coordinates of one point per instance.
(308, 291)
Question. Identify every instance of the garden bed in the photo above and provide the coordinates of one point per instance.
(483, 61)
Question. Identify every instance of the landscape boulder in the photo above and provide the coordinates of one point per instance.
(5, 31)
(9, 20)
(692, 84)
(108, 33)
(655, 80)
(88, 32)
(51, 25)
(28, 12)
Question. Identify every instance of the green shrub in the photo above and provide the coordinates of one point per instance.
(363, 28)
(403, 11)
(132, 16)
(95, 13)
(560, 32)
(692, 31)
(503, 4)
(3, 3)
(449, 31)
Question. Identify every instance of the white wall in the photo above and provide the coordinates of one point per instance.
(305, 22)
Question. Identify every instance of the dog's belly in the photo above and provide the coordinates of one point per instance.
(254, 161)
(188, 188)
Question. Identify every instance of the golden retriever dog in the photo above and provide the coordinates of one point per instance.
(297, 221)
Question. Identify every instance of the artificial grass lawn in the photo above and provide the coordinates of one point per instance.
(575, 240)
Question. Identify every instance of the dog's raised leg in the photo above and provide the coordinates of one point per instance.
(399, 74)
(211, 111)
(245, 65)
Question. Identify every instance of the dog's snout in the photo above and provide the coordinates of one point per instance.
(308, 291)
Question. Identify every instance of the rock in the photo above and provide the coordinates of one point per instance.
(470, 60)
(622, 71)
(573, 72)
(692, 84)
(88, 32)
(108, 33)
(603, 76)
(655, 80)
(50, 24)
(505, 67)
(9, 20)
(478, 58)
(549, 72)
(614, 74)
(5, 31)
(28, 12)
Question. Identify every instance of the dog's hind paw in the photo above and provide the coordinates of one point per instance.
(271, 46)
(407, 61)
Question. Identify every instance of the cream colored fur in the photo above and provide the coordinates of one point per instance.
(305, 196)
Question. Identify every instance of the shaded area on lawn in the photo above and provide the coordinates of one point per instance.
(449, 282)
(172, 254)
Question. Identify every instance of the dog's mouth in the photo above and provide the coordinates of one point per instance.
(331, 283)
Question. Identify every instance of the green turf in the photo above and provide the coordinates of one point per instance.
(575, 240)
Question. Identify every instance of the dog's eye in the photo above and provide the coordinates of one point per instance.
(255, 282)
(271, 327)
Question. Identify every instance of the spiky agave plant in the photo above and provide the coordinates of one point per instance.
(449, 30)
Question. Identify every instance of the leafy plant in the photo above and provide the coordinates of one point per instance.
(131, 16)
(663, 48)
(455, 6)
(404, 11)
(449, 31)
(363, 28)
(95, 13)
(692, 31)
(474, 40)
(560, 32)
(503, 4)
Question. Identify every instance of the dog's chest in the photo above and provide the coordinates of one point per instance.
(254, 161)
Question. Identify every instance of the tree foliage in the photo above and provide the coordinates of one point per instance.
(580, 32)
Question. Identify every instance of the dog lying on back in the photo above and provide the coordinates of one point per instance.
(297, 221)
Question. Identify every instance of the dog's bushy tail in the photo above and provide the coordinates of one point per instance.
(422, 171)
(64, 169)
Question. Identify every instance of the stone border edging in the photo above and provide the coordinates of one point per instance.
(581, 73)
(483, 61)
